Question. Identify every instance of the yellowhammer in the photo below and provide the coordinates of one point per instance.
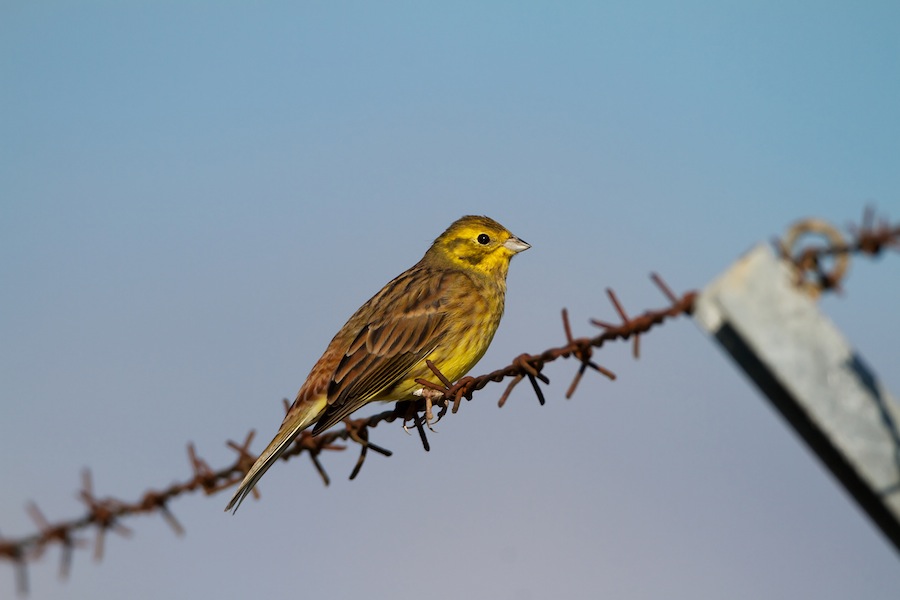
(446, 309)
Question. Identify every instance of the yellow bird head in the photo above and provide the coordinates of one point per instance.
(477, 244)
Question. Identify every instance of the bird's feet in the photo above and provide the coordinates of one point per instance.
(433, 397)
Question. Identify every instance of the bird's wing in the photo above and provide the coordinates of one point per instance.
(406, 330)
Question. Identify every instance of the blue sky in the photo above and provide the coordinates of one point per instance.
(195, 196)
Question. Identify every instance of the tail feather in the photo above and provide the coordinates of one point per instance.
(289, 430)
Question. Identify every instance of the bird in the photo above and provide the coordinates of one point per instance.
(445, 310)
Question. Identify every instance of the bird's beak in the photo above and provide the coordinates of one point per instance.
(515, 245)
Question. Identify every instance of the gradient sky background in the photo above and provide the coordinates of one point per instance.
(194, 196)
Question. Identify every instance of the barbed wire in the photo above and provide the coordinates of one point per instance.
(106, 514)
(813, 271)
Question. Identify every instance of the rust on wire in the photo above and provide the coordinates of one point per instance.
(14, 552)
(59, 534)
(105, 514)
(812, 274)
(583, 352)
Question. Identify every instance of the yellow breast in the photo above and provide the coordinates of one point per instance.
(473, 321)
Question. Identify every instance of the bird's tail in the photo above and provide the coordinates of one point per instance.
(292, 425)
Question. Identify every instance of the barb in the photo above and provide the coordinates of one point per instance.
(105, 514)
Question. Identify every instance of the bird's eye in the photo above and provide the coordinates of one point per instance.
(484, 239)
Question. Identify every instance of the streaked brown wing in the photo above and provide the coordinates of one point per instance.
(408, 320)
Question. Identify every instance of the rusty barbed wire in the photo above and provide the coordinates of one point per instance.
(812, 273)
(105, 514)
